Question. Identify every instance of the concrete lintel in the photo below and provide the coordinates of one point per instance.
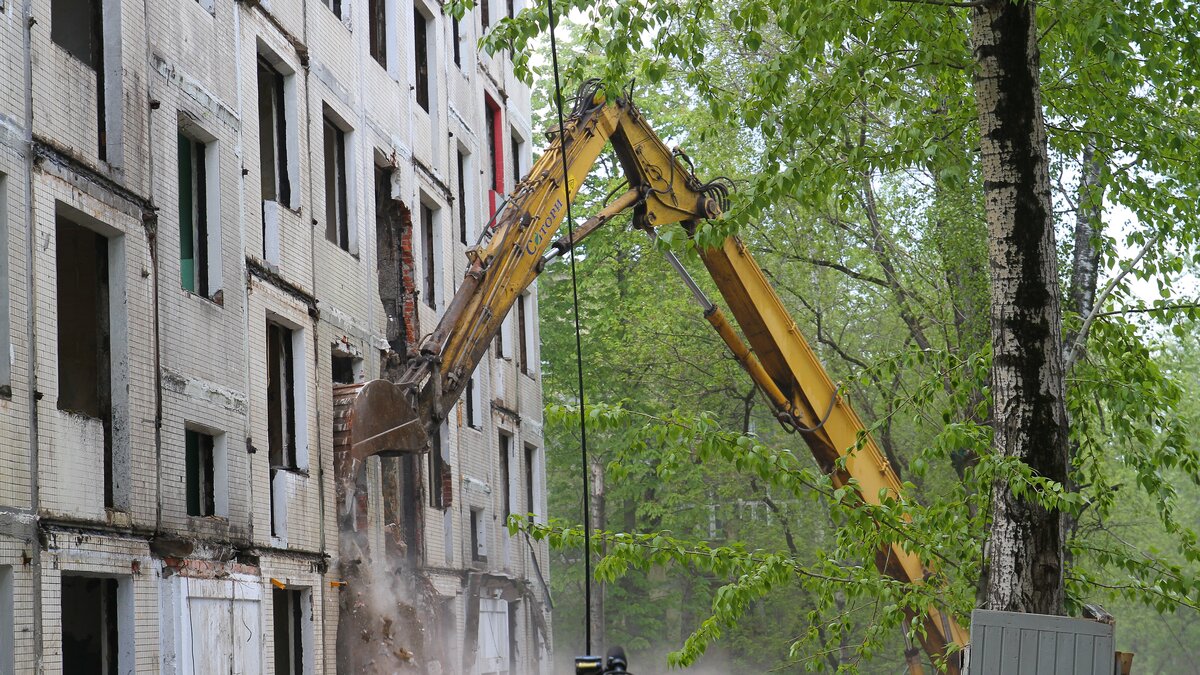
(339, 91)
(196, 91)
(54, 160)
(351, 327)
(202, 390)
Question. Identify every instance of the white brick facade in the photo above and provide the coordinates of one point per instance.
(99, 148)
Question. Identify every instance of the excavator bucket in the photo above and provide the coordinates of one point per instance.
(383, 421)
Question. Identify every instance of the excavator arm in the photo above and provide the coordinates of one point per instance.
(662, 191)
(513, 249)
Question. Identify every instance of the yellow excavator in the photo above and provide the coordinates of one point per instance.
(662, 191)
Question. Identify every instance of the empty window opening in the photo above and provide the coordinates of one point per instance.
(193, 216)
(5, 339)
(334, 6)
(501, 343)
(523, 350)
(514, 607)
(78, 27)
(428, 256)
(515, 147)
(292, 615)
(421, 56)
(463, 233)
(337, 220)
(84, 362)
(457, 38)
(478, 536)
(530, 472)
(377, 19)
(272, 134)
(91, 626)
(346, 369)
(281, 397)
(505, 476)
(472, 400)
(439, 474)
(281, 418)
(485, 14)
(401, 503)
(495, 148)
(8, 627)
(201, 474)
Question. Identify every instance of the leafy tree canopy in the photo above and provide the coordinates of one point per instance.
(850, 130)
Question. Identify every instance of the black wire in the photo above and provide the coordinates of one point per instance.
(587, 506)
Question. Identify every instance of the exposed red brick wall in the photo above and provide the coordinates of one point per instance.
(344, 468)
(408, 279)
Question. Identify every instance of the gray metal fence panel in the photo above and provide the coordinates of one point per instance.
(1011, 643)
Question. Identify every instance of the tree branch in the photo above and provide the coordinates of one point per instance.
(843, 269)
(1147, 310)
(1074, 350)
(879, 245)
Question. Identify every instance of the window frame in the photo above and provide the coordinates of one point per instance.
(334, 6)
(296, 603)
(200, 474)
(280, 160)
(285, 457)
(473, 401)
(194, 193)
(493, 121)
(64, 33)
(456, 36)
(429, 215)
(504, 455)
(205, 152)
(531, 492)
(463, 168)
(377, 31)
(438, 468)
(117, 611)
(524, 352)
(478, 526)
(516, 148)
(422, 59)
(338, 221)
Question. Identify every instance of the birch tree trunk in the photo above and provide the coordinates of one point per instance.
(1085, 264)
(598, 521)
(1023, 567)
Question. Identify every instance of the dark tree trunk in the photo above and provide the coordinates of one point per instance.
(1023, 568)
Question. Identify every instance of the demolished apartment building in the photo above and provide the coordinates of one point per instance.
(216, 218)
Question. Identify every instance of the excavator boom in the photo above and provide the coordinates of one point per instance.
(514, 247)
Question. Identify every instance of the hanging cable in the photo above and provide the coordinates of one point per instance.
(587, 506)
